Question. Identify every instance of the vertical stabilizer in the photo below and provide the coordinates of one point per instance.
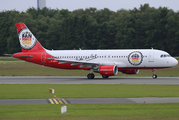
(27, 40)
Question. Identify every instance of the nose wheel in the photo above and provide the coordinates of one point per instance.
(154, 76)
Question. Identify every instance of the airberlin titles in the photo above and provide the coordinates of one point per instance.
(92, 57)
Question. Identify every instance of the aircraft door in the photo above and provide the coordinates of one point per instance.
(151, 56)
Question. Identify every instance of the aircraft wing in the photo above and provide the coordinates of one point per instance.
(87, 63)
(74, 62)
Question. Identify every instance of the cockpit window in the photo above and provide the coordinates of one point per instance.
(168, 56)
(165, 55)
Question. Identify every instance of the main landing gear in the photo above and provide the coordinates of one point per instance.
(154, 76)
(91, 75)
(105, 76)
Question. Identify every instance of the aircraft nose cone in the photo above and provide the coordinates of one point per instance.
(175, 62)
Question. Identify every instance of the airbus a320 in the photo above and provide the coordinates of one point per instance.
(105, 62)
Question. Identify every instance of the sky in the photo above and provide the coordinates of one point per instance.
(114, 5)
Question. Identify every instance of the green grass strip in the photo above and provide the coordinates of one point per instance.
(34, 91)
(131, 111)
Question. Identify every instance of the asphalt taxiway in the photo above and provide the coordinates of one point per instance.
(90, 100)
(84, 80)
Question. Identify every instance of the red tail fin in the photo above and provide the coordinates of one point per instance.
(27, 40)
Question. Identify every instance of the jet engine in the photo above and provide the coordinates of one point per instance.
(130, 71)
(108, 70)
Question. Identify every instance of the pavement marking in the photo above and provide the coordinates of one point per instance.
(51, 101)
(64, 101)
(58, 101)
(55, 100)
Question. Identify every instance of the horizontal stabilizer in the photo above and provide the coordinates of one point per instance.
(28, 56)
(8, 55)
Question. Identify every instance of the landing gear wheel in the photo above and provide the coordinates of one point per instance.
(154, 76)
(90, 76)
(105, 76)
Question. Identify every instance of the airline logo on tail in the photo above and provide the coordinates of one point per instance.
(27, 39)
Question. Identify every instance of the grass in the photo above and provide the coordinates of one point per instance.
(9, 59)
(39, 91)
(126, 111)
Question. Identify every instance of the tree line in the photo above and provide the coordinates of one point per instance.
(140, 28)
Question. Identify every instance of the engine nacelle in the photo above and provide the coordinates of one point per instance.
(130, 71)
(108, 70)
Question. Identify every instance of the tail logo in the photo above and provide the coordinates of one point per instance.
(27, 39)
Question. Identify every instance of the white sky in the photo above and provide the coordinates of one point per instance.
(23, 5)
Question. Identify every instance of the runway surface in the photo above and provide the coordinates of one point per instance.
(90, 100)
(84, 80)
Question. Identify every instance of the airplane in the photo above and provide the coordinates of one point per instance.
(105, 62)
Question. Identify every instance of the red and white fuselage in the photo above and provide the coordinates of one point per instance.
(105, 62)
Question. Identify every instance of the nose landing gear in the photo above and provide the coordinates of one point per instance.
(154, 76)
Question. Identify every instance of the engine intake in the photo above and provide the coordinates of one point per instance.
(108, 70)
